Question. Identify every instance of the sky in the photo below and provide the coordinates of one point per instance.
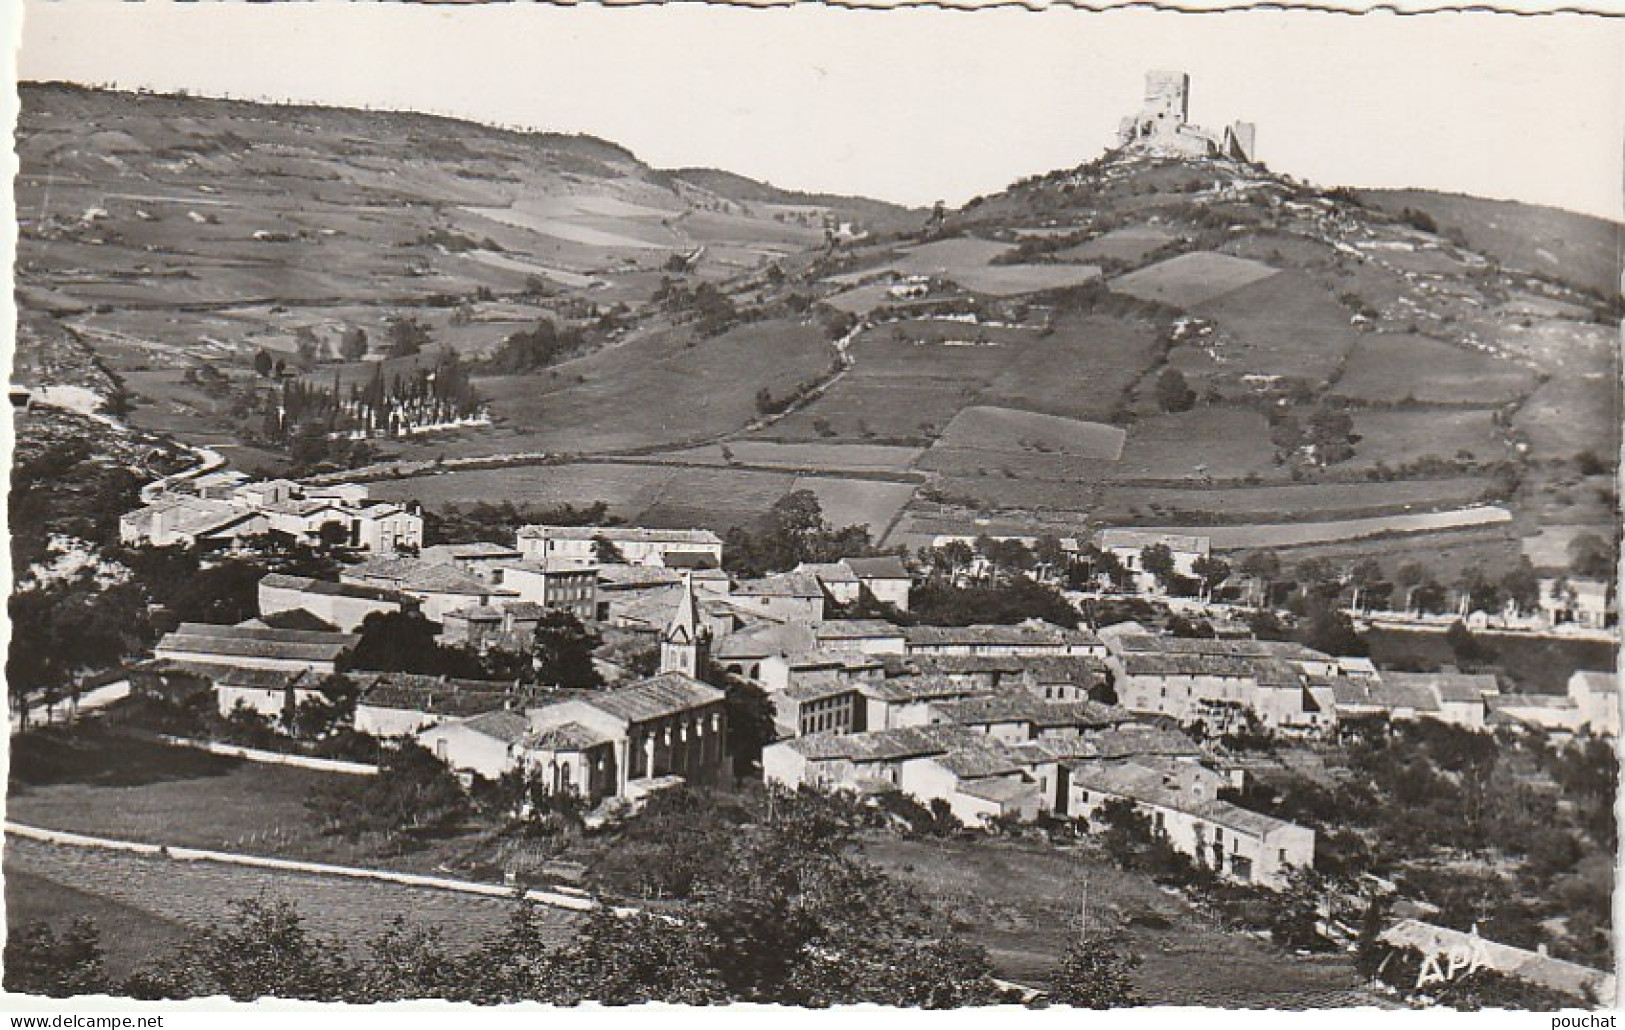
(918, 105)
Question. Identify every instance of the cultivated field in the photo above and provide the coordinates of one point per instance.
(1004, 429)
(1297, 501)
(1187, 280)
(911, 379)
(1395, 437)
(964, 261)
(627, 489)
(1570, 414)
(1384, 368)
(1284, 325)
(1130, 243)
(1198, 445)
(682, 389)
(858, 502)
(833, 457)
(1298, 534)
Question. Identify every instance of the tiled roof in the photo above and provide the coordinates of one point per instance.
(968, 664)
(501, 724)
(1025, 634)
(1137, 538)
(1598, 682)
(999, 790)
(1059, 668)
(474, 549)
(1581, 982)
(1152, 644)
(1448, 687)
(886, 745)
(817, 688)
(1128, 741)
(854, 629)
(621, 534)
(263, 679)
(1024, 707)
(828, 572)
(409, 692)
(888, 567)
(250, 642)
(904, 689)
(973, 762)
(327, 588)
(443, 579)
(636, 577)
(567, 736)
(1188, 665)
(657, 696)
(783, 584)
(293, 618)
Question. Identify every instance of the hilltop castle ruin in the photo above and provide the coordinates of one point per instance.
(1162, 127)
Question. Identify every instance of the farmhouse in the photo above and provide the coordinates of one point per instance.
(781, 672)
(341, 605)
(439, 588)
(1180, 800)
(510, 626)
(787, 596)
(274, 693)
(251, 648)
(886, 579)
(1225, 684)
(336, 514)
(1128, 546)
(1586, 603)
(477, 559)
(483, 744)
(661, 547)
(1596, 696)
(393, 704)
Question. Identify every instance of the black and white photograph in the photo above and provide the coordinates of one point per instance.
(813, 506)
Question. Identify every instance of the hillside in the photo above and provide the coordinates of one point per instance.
(178, 236)
(1581, 250)
(1301, 367)
(1142, 340)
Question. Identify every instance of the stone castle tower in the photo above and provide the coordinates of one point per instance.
(683, 645)
(1163, 124)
